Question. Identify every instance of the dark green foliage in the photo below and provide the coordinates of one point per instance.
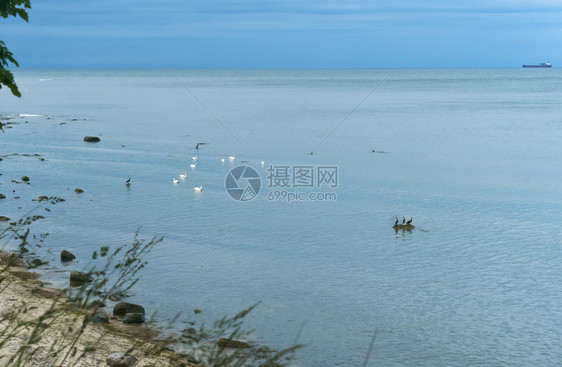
(14, 8)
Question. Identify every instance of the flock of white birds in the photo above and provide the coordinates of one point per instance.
(193, 165)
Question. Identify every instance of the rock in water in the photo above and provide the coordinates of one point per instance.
(2, 196)
(4, 219)
(25, 179)
(91, 139)
(78, 190)
(133, 318)
(403, 226)
(66, 256)
(79, 278)
(229, 343)
(123, 308)
(100, 318)
(120, 360)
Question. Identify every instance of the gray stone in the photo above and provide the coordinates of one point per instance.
(123, 308)
(100, 318)
(91, 139)
(120, 360)
(133, 318)
(78, 190)
(67, 256)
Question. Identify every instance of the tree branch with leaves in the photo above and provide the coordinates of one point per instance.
(11, 8)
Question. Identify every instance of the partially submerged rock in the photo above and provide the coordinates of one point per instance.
(67, 256)
(120, 360)
(4, 219)
(78, 190)
(123, 308)
(25, 179)
(91, 139)
(403, 226)
(229, 343)
(79, 278)
(2, 196)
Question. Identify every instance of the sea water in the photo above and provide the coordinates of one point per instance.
(472, 155)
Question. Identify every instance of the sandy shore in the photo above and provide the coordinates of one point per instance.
(24, 301)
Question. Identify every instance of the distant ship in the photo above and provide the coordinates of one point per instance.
(541, 65)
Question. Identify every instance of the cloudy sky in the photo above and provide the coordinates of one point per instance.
(286, 33)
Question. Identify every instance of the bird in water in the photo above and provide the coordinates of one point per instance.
(128, 182)
(410, 221)
(396, 223)
(403, 220)
(198, 188)
(197, 146)
(184, 176)
(174, 181)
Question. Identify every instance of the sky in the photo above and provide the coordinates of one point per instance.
(286, 33)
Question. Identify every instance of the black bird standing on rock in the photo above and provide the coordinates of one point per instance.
(403, 220)
(410, 221)
(395, 223)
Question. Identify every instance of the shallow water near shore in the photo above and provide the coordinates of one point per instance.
(472, 155)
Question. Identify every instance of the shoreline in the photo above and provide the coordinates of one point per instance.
(21, 288)
(27, 299)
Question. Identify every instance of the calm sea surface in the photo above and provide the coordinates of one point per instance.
(474, 156)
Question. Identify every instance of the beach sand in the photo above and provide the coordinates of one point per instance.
(26, 299)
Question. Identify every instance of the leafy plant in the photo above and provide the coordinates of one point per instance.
(14, 8)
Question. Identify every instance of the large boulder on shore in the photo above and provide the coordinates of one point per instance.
(120, 360)
(100, 318)
(133, 318)
(123, 308)
(66, 256)
(91, 139)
